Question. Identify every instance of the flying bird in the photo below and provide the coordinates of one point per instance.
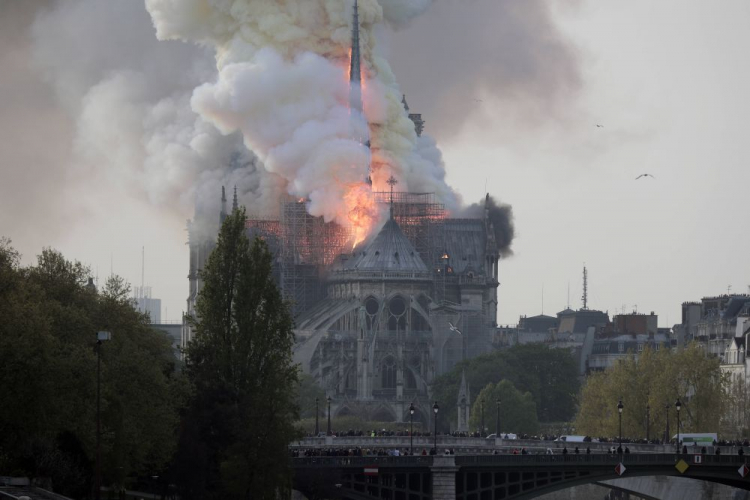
(454, 328)
(599, 126)
(645, 175)
(478, 100)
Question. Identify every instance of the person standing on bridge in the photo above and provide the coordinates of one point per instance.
(740, 452)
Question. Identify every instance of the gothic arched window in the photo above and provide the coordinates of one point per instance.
(388, 373)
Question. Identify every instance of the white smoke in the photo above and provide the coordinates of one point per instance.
(283, 83)
(129, 97)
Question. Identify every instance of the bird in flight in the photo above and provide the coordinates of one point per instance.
(645, 175)
(478, 100)
(454, 328)
(599, 126)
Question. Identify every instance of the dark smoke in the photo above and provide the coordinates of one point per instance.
(501, 216)
(465, 57)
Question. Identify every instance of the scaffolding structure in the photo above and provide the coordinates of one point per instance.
(304, 245)
(421, 220)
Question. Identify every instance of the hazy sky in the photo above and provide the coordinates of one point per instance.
(511, 90)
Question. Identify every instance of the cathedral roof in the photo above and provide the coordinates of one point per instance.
(389, 251)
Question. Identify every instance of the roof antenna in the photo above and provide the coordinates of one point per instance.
(585, 297)
(568, 306)
(542, 299)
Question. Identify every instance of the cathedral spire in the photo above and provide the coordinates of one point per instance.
(356, 107)
(355, 71)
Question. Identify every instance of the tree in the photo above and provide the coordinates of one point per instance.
(517, 410)
(239, 363)
(654, 379)
(549, 375)
(48, 324)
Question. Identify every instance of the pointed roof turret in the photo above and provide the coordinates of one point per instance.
(223, 213)
(463, 390)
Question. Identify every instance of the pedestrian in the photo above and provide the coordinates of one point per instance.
(684, 449)
(577, 451)
(703, 450)
(619, 450)
(588, 451)
(718, 451)
(740, 452)
(627, 450)
(565, 450)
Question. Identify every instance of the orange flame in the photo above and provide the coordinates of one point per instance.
(362, 211)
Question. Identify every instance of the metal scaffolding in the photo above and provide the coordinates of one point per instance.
(305, 245)
(421, 220)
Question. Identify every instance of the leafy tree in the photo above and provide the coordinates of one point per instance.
(47, 407)
(517, 410)
(239, 363)
(549, 375)
(654, 379)
(307, 390)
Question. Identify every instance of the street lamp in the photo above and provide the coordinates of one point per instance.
(678, 405)
(497, 424)
(100, 337)
(481, 431)
(648, 421)
(317, 412)
(619, 411)
(435, 408)
(411, 429)
(666, 433)
(329, 415)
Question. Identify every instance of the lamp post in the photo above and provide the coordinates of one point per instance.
(329, 415)
(497, 423)
(411, 429)
(678, 405)
(666, 432)
(100, 337)
(481, 405)
(435, 408)
(619, 411)
(317, 412)
(648, 421)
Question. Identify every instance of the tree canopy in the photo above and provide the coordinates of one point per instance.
(654, 379)
(240, 418)
(48, 325)
(517, 410)
(549, 375)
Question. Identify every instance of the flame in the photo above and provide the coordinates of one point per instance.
(362, 209)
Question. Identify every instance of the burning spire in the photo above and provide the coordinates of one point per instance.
(355, 83)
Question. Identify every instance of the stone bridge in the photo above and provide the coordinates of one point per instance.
(486, 477)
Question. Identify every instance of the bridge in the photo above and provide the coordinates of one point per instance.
(490, 477)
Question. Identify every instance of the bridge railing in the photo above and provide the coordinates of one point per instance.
(593, 459)
(407, 461)
(516, 460)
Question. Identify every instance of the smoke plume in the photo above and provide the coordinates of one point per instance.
(128, 98)
(501, 217)
(463, 58)
(283, 83)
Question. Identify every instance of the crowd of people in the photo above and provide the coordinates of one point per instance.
(543, 437)
(363, 452)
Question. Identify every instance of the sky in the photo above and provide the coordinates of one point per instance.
(512, 92)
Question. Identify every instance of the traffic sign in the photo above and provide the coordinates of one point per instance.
(682, 466)
(371, 470)
(744, 470)
(620, 469)
(697, 459)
